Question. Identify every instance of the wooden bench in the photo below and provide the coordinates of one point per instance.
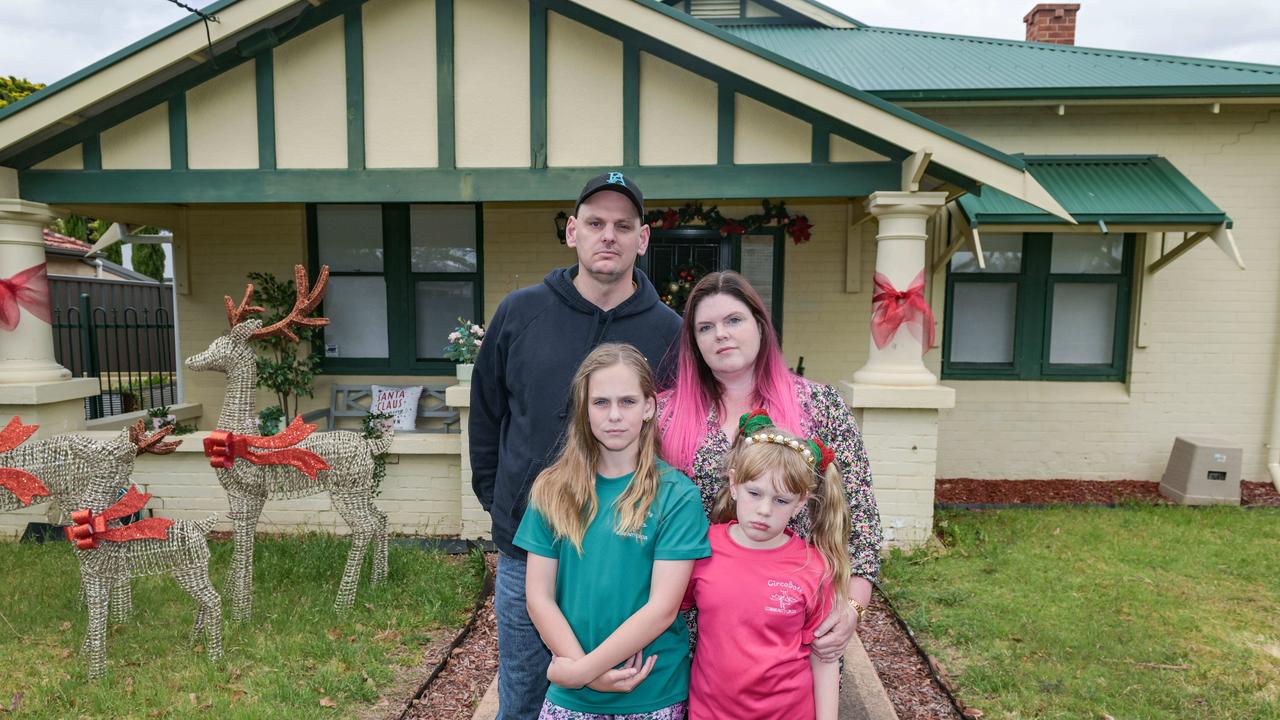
(352, 401)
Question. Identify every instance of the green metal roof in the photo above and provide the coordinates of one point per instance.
(1117, 189)
(909, 65)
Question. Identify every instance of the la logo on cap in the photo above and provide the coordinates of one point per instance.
(616, 178)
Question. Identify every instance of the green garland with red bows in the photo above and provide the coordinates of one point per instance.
(797, 227)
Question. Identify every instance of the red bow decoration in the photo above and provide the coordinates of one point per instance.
(222, 447)
(27, 289)
(89, 529)
(891, 307)
(19, 482)
(826, 456)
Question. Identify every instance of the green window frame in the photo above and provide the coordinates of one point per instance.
(1035, 286)
(401, 300)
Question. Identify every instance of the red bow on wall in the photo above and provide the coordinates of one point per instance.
(891, 308)
(223, 447)
(27, 289)
(19, 482)
(89, 529)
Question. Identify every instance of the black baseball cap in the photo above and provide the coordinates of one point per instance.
(617, 182)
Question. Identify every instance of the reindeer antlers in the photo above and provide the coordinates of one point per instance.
(152, 444)
(306, 302)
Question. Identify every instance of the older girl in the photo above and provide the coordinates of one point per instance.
(612, 533)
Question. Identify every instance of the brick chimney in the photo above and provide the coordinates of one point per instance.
(1052, 23)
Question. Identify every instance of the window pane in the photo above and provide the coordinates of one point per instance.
(1087, 254)
(982, 322)
(757, 265)
(350, 237)
(1002, 251)
(439, 305)
(443, 238)
(1084, 323)
(357, 312)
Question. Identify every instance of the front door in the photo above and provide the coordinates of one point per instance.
(679, 257)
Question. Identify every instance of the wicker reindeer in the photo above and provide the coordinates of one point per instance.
(297, 463)
(58, 470)
(110, 553)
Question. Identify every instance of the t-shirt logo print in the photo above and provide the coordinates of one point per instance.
(780, 592)
(616, 178)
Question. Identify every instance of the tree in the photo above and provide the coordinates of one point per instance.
(149, 260)
(13, 89)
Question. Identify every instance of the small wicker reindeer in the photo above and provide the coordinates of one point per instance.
(110, 553)
(299, 463)
(64, 465)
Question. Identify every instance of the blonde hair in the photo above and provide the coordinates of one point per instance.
(827, 510)
(565, 493)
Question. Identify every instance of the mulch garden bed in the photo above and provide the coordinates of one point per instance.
(966, 491)
(911, 682)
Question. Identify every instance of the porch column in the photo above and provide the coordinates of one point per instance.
(33, 385)
(474, 522)
(895, 398)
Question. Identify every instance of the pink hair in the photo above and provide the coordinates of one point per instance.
(696, 390)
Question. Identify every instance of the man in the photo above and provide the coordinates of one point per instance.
(520, 394)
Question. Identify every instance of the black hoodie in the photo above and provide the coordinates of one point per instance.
(520, 387)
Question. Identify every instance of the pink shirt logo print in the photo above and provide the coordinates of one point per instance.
(780, 592)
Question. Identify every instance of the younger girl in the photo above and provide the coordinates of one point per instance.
(764, 591)
(612, 533)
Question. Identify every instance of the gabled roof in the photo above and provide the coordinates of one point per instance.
(910, 65)
(1111, 189)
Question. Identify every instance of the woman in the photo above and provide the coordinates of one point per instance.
(729, 364)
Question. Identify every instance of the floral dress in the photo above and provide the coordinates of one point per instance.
(827, 417)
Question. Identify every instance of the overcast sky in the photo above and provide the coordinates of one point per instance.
(45, 40)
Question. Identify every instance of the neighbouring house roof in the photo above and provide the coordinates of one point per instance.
(1111, 189)
(904, 65)
(60, 244)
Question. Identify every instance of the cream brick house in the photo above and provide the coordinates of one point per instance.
(1055, 198)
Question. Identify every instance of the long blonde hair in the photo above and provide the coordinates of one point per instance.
(828, 512)
(565, 493)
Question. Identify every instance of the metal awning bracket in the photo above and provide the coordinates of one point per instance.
(1221, 236)
(964, 232)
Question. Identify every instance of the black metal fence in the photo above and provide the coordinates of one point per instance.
(121, 333)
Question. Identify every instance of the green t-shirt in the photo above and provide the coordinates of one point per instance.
(609, 582)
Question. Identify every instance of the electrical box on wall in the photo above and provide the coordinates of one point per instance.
(1202, 471)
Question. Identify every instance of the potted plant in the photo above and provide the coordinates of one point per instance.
(464, 345)
(160, 417)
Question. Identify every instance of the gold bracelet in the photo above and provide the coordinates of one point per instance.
(858, 608)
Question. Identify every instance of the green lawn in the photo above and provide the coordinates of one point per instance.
(294, 653)
(1134, 612)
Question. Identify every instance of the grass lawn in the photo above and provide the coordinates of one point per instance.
(1133, 612)
(294, 653)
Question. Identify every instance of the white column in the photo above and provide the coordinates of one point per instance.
(474, 522)
(894, 396)
(900, 255)
(26, 350)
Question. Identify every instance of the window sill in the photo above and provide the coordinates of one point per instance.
(1039, 391)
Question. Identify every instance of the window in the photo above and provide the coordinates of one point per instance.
(400, 276)
(1048, 306)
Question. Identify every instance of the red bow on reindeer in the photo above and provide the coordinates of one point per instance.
(27, 289)
(223, 447)
(89, 529)
(891, 308)
(19, 482)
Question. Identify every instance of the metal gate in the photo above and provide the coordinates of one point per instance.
(121, 333)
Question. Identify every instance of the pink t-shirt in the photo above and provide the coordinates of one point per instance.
(757, 611)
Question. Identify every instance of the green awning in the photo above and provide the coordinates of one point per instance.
(1102, 190)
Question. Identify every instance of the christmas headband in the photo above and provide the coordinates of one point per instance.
(818, 456)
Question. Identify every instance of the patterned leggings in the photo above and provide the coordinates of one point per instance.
(551, 711)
